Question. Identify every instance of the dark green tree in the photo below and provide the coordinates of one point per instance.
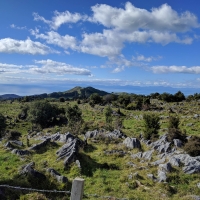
(109, 118)
(95, 98)
(74, 117)
(43, 113)
(2, 124)
(151, 126)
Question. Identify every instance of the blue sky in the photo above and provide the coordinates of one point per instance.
(54, 45)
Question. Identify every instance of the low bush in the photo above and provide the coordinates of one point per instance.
(151, 126)
(192, 147)
(13, 135)
(174, 133)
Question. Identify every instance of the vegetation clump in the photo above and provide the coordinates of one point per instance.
(192, 147)
(2, 124)
(43, 113)
(151, 126)
(174, 131)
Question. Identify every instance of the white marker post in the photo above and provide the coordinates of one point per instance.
(77, 189)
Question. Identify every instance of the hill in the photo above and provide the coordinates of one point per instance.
(77, 92)
(9, 96)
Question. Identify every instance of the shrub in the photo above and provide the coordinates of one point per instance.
(192, 147)
(43, 113)
(13, 135)
(174, 133)
(151, 126)
(173, 122)
(62, 99)
(74, 117)
(2, 124)
(23, 113)
(173, 130)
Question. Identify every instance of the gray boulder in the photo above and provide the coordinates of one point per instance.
(67, 137)
(69, 151)
(21, 152)
(29, 170)
(151, 176)
(162, 176)
(163, 148)
(165, 167)
(175, 161)
(157, 162)
(91, 134)
(17, 142)
(9, 145)
(57, 175)
(40, 145)
(132, 143)
(147, 155)
(115, 152)
(137, 155)
(177, 143)
(115, 134)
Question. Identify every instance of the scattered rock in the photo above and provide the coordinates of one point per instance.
(132, 143)
(17, 142)
(177, 143)
(21, 152)
(57, 175)
(175, 161)
(162, 177)
(115, 134)
(69, 151)
(147, 155)
(165, 167)
(67, 137)
(137, 155)
(151, 176)
(157, 162)
(28, 170)
(115, 152)
(131, 164)
(40, 145)
(91, 134)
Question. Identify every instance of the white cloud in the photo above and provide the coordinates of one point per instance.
(118, 69)
(100, 44)
(50, 66)
(18, 27)
(60, 18)
(43, 67)
(163, 18)
(8, 45)
(140, 57)
(176, 69)
(55, 38)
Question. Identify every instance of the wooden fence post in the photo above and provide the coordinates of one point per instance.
(77, 189)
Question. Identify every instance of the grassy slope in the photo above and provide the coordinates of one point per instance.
(104, 175)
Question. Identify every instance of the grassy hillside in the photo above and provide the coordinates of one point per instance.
(105, 175)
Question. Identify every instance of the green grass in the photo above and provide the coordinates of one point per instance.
(105, 175)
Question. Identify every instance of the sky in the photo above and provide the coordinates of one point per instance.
(135, 46)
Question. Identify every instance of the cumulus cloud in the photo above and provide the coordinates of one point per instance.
(176, 69)
(55, 38)
(140, 57)
(9, 45)
(100, 44)
(50, 66)
(44, 67)
(60, 18)
(131, 18)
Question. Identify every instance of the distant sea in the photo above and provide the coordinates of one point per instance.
(24, 90)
